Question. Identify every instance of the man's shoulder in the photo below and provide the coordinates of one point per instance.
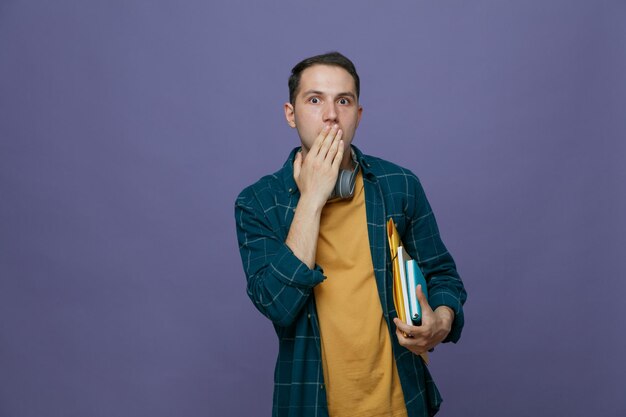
(382, 168)
(268, 186)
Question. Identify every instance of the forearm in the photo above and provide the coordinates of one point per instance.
(304, 231)
(280, 289)
(315, 172)
(445, 287)
(281, 271)
(279, 283)
(446, 291)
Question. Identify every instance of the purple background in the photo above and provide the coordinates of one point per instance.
(127, 128)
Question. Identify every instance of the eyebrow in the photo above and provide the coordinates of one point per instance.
(321, 93)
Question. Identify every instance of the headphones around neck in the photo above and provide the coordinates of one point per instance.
(344, 187)
(346, 180)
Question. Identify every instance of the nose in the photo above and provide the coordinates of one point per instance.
(330, 113)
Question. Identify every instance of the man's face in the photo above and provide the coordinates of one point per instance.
(326, 96)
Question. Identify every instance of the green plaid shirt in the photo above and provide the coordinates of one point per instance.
(281, 286)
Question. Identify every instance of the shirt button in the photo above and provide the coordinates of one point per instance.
(309, 316)
(291, 190)
(322, 386)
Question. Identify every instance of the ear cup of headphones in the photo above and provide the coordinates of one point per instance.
(346, 180)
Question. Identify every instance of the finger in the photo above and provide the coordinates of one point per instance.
(409, 342)
(404, 328)
(328, 141)
(403, 339)
(422, 299)
(400, 331)
(415, 335)
(315, 148)
(339, 155)
(333, 145)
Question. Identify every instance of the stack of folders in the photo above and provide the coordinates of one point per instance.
(411, 276)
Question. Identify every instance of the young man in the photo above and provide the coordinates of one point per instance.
(313, 243)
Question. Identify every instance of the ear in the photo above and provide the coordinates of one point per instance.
(358, 120)
(290, 114)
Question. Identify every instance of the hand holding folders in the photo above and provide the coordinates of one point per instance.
(406, 277)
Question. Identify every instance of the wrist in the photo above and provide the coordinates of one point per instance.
(446, 316)
(310, 204)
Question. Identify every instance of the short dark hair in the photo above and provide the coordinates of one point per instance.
(331, 58)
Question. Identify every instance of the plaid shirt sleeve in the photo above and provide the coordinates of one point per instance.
(423, 241)
(279, 284)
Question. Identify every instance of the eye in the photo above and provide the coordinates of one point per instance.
(344, 101)
(314, 100)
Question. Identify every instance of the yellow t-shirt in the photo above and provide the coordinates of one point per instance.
(359, 370)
